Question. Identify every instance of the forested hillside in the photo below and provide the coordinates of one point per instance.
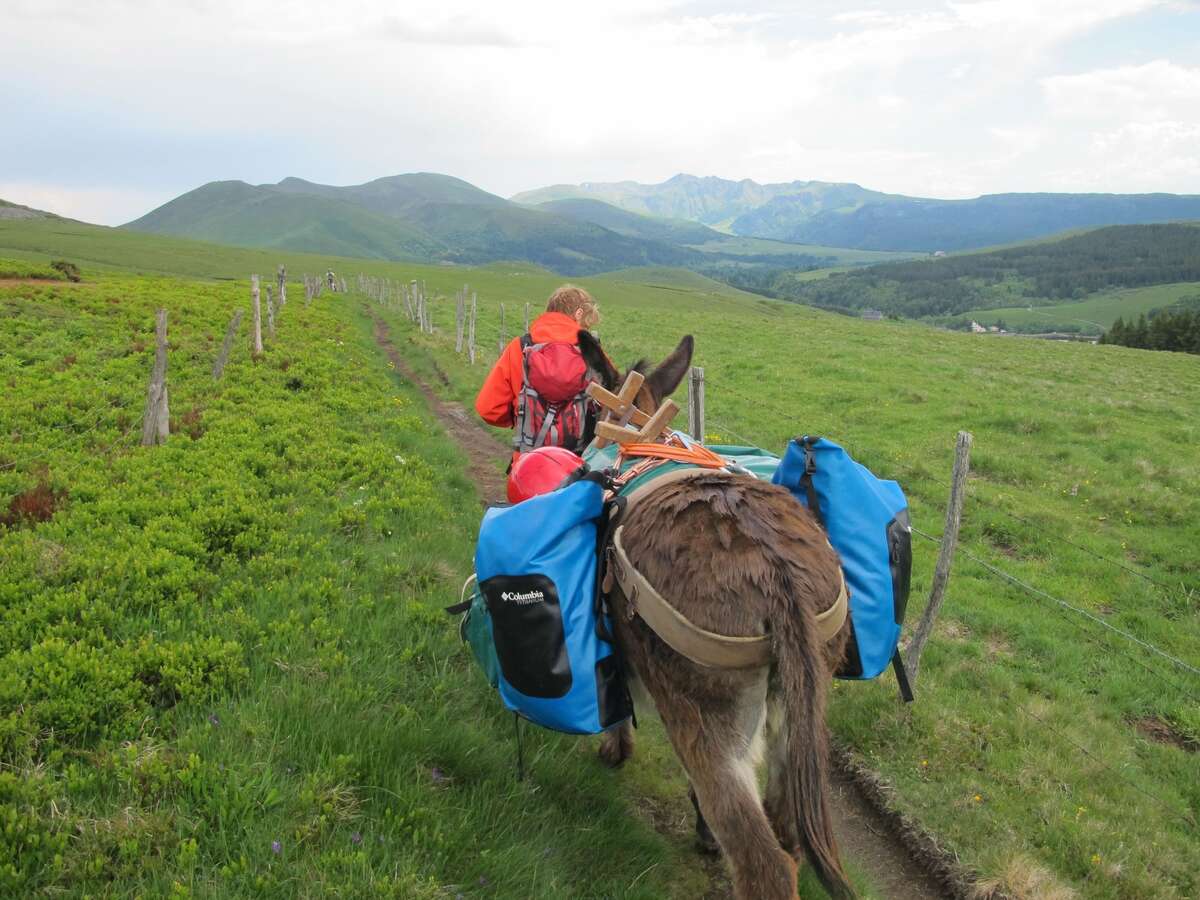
(1123, 256)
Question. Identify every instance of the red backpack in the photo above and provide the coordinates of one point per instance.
(552, 406)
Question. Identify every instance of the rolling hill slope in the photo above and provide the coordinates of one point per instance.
(428, 217)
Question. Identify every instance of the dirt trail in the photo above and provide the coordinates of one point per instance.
(867, 838)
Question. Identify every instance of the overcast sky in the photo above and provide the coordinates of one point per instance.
(112, 107)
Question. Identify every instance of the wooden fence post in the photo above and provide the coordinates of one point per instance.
(526, 331)
(256, 310)
(270, 314)
(156, 421)
(500, 343)
(460, 308)
(282, 286)
(941, 574)
(696, 403)
(471, 331)
(230, 334)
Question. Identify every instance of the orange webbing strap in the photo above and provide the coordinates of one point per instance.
(696, 454)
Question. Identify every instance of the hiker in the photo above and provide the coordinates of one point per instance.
(550, 408)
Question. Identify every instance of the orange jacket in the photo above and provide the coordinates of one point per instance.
(497, 400)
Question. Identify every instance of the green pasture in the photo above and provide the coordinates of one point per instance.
(216, 644)
(224, 668)
(1091, 316)
(1049, 753)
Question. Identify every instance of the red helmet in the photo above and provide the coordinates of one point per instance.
(540, 471)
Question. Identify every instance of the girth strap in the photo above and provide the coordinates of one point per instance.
(706, 648)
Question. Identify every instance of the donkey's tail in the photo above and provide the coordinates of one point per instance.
(802, 676)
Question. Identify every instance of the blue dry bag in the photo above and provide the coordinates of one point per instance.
(536, 563)
(867, 521)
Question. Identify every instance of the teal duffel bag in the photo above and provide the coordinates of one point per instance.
(476, 630)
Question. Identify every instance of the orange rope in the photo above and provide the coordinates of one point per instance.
(697, 454)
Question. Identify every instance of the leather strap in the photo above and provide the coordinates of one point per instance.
(706, 648)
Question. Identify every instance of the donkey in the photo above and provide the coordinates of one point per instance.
(738, 557)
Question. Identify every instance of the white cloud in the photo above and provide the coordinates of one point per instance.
(98, 205)
(144, 100)
(1149, 92)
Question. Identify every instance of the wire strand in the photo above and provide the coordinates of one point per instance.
(1036, 591)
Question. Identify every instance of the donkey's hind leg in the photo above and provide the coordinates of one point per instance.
(719, 760)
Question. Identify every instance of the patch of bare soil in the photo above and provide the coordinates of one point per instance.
(874, 840)
(1164, 733)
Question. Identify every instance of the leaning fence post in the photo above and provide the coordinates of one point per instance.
(257, 310)
(696, 403)
(156, 421)
(230, 334)
(941, 574)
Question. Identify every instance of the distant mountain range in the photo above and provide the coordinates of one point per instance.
(429, 217)
(708, 224)
(847, 215)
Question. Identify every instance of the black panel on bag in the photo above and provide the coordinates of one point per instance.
(899, 540)
(528, 631)
(612, 696)
(851, 666)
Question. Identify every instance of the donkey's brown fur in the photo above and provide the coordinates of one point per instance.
(740, 557)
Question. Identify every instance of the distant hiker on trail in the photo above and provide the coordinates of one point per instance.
(537, 386)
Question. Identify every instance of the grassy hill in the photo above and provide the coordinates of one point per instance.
(9, 210)
(233, 212)
(847, 215)
(236, 639)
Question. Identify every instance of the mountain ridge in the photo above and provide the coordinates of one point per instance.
(431, 217)
(845, 214)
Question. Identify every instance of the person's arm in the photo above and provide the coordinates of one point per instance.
(498, 395)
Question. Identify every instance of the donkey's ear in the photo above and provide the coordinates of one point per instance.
(589, 346)
(663, 380)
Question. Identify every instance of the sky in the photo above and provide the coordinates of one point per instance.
(109, 108)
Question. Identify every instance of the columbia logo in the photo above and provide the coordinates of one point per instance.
(527, 597)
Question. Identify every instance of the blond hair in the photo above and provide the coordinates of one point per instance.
(569, 299)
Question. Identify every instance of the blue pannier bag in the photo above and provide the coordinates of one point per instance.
(866, 519)
(536, 562)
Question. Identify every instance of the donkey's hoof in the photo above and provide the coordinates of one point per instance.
(706, 844)
(613, 752)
